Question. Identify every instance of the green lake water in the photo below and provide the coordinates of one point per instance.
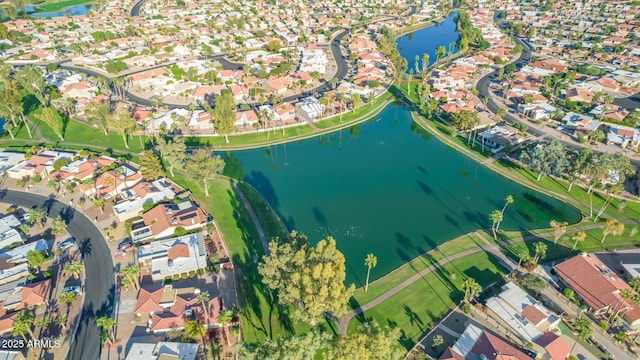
(387, 187)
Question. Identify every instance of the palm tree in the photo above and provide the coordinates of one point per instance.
(471, 289)
(541, 251)
(22, 325)
(194, 329)
(583, 327)
(579, 236)
(58, 226)
(496, 218)
(106, 323)
(370, 262)
(203, 298)
(224, 318)
(559, 229)
(67, 297)
(132, 273)
(99, 202)
(523, 256)
(37, 216)
(507, 201)
(73, 268)
(61, 321)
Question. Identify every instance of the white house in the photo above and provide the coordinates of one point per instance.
(310, 107)
(143, 192)
(174, 256)
(163, 351)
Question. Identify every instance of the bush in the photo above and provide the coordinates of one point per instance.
(167, 279)
(47, 274)
(176, 277)
(58, 164)
(184, 276)
(36, 178)
(200, 271)
(180, 231)
(148, 205)
(466, 308)
(192, 273)
(177, 201)
(568, 293)
(604, 325)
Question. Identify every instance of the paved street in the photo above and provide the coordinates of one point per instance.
(100, 285)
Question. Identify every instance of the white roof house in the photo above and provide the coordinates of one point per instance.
(9, 159)
(526, 315)
(163, 350)
(174, 256)
(134, 198)
(310, 107)
(19, 254)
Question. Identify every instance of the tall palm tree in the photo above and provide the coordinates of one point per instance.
(73, 268)
(370, 262)
(559, 229)
(22, 325)
(106, 323)
(37, 216)
(471, 289)
(583, 327)
(194, 329)
(203, 298)
(67, 297)
(224, 318)
(540, 250)
(507, 201)
(496, 218)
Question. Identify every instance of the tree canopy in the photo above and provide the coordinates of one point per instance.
(371, 342)
(202, 165)
(310, 278)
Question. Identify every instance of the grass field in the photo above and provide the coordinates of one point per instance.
(53, 5)
(357, 115)
(418, 307)
(261, 316)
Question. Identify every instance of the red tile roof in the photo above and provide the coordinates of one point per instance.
(495, 348)
(35, 294)
(555, 346)
(534, 315)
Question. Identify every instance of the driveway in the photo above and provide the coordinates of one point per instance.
(100, 281)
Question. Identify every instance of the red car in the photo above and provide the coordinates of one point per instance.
(127, 244)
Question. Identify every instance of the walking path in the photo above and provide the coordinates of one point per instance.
(494, 249)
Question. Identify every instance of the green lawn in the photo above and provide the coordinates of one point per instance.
(54, 5)
(404, 272)
(258, 139)
(269, 220)
(421, 305)
(261, 316)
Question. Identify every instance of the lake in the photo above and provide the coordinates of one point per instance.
(75, 10)
(387, 187)
(427, 39)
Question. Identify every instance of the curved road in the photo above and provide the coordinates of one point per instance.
(135, 10)
(100, 280)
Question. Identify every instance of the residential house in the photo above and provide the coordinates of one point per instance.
(555, 348)
(524, 314)
(174, 256)
(113, 182)
(134, 198)
(28, 296)
(163, 351)
(476, 343)
(598, 286)
(580, 122)
(286, 112)
(9, 159)
(81, 169)
(310, 108)
(500, 137)
(8, 233)
(40, 164)
(162, 221)
(537, 111)
(624, 136)
(247, 118)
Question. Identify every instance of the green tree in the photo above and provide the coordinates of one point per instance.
(369, 342)
(437, 340)
(224, 318)
(370, 262)
(471, 289)
(73, 268)
(356, 101)
(311, 278)
(202, 166)
(194, 329)
(465, 120)
(53, 120)
(224, 114)
(540, 250)
(58, 225)
(35, 259)
(11, 105)
(612, 227)
(23, 323)
(122, 123)
(173, 153)
(107, 323)
(547, 159)
(302, 347)
(37, 216)
(579, 165)
(523, 257)
(577, 237)
(559, 229)
(115, 66)
(583, 327)
(496, 218)
(32, 80)
(150, 165)
(98, 114)
(440, 52)
(132, 274)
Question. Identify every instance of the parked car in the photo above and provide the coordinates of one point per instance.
(127, 244)
(67, 243)
(72, 288)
